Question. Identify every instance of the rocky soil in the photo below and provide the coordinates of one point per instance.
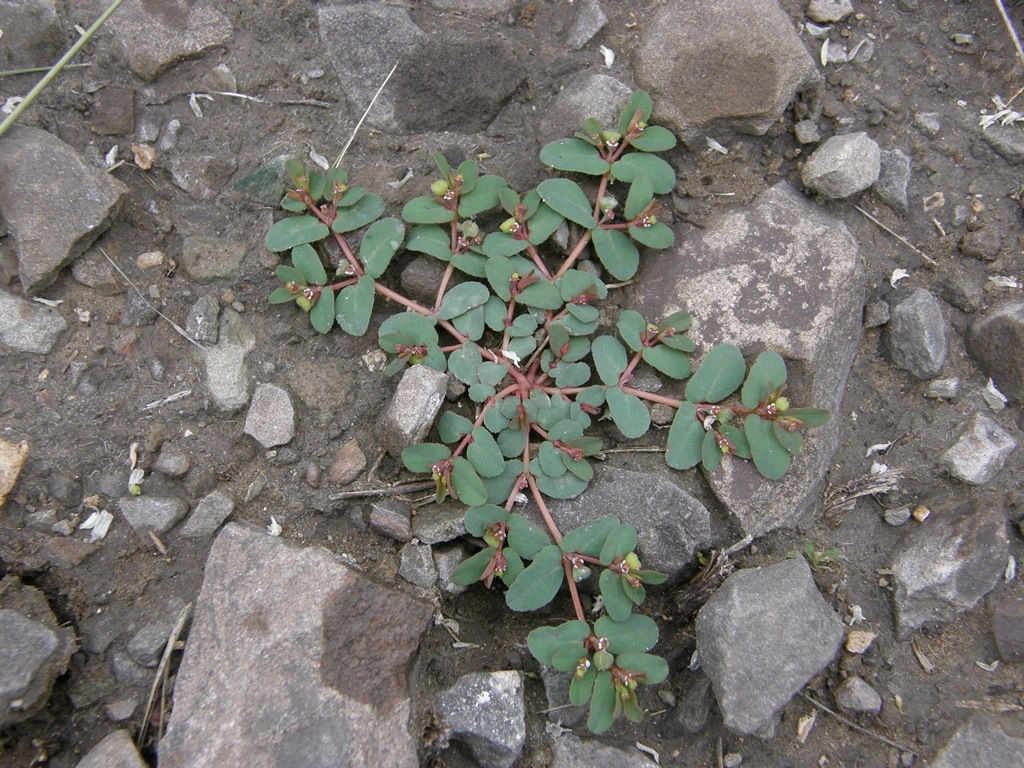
(848, 194)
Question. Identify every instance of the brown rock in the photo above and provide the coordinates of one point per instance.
(1008, 626)
(982, 244)
(391, 517)
(114, 114)
(349, 462)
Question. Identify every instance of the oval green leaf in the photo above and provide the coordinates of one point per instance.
(602, 703)
(589, 539)
(461, 299)
(620, 542)
(660, 173)
(430, 239)
(616, 252)
(765, 376)
(483, 453)
(685, 438)
(472, 569)
(655, 235)
(525, 537)
(719, 375)
(466, 483)
(770, 457)
(545, 642)
(379, 245)
(308, 263)
(322, 314)
(616, 601)
(426, 210)
(538, 584)
(293, 231)
(483, 197)
(421, 457)
(355, 306)
(628, 412)
(654, 139)
(566, 198)
(478, 519)
(575, 156)
(637, 633)
(671, 362)
(369, 208)
(653, 668)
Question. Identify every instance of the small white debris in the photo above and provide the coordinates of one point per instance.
(855, 50)
(83, 315)
(461, 645)
(709, 421)
(556, 729)
(988, 667)
(453, 626)
(509, 355)
(521, 498)
(694, 661)
(897, 275)
(805, 724)
(924, 661)
(609, 55)
(878, 468)
(1011, 569)
(401, 182)
(144, 155)
(856, 615)
(48, 302)
(648, 751)
(598, 604)
(1003, 115)
(319, 159)
(98, 523)
(133, 454)
(877, 448)
(1002, 281)
(274, 529)
(193, 103)
(110, 159)
(714, 145)
(11, 104)
(824, 53)
(135, 481)
(814, 30)
(996, 400)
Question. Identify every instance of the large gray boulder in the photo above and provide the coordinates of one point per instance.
(717, 67)
(996, 341)
(780, 274)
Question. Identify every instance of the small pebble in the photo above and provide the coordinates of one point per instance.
(943, 389)
(897, 517)
(859, 640)
(313, 473)
(732, 760)
(921, 513)
(150, 259)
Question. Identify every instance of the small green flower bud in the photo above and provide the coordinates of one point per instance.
(603, 659)
(782, 403)
(506, 226)
(633, 561)
(469, 228)
(611, 137)
(439, 187)
(608, 203)
(303, 302)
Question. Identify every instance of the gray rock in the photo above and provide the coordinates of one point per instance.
(715, 68)
(1006, 140)
(209, 515)
(152, 513)
(943, 389)
(147, 644)
(599, 96)
(980, 741)
(417, 565)
(363, 41)
(419, 280)
(929, 122)
(780, 274)
(202, 176)
(983, 243)
(843, 166)
(128, 672)
(211, 258)
(348, 464)
(448, 557)
(439, 523)
(944, 568)
(915, 338)
(893, 178)
(413, 408)
(137, 311)
(155, 38)
(47, 243)
(897, 517)
(93, 270)
(67, 490)
(117, 750)
(556, 690)
(485, 710)
(270, 420)
(876, 313)
(996, 341)
(391, 517)
(1008, 627)
(201, 323)
(570, 751)
(32, 33)
(227, 377)
(855, 696)
(807, 132)
(980, 451)
(590, 19)
(172, 461)
(761, 637)
(122, 709)
(671, 524)
(825, 11)
(464, 95)
(293, 659)
(490, 6)
(267, 183)
(28, 327)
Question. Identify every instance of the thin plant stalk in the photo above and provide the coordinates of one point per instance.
(32, 70)
(56, 68)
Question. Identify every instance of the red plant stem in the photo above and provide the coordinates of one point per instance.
(343, 284)
(444, 284)
(328, 219)
(653, 398)
(577, 251)
(576, 604)
(530, 249)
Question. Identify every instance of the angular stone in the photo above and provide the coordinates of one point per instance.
(485, 710)
(855, 696)
(227, 377)
(201, 323)
(1006, 140)
(439, 523)
(152, 513)
(590, 19)
(348, 464)
(893, 178)
(117, 750)
(417, 565)
(761, 637)
(147, 644)
(570, 751)
(211, 258)
(208, 515)
(47, 243)
(28, 327)
(915, 338)
(155, 36)
(996, 341)
(363, 41)
(93, 270)
(671, 524)
(413, 408)
(716, 67)
(32, 33)
(490, 6)
(202, 176)
(780, 274)
(595, 95)
(980, 742)
(114, 111)
(980, 452)
(271, 417)
(982, 244)
(447, 558)
(945, 567)
(826, 11)
(12, 459)
(1008, 627)
(293, 659)
(556, 691)
(843, 166)
(267, 183)
(391, 517)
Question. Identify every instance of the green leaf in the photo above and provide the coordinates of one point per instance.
(811, 417)
(565, 197)
(355, 306)
(483, 453)
(462, 298)
(631, 325)
(616, 601)
(677, 321)
(660, 173)
(542, 224)
(602, 703)
(550, 459)
(511, 441)
(545, 642)
(452, 427)
(710, 453)
(538, 584)
(685, 438)
(368, 209)
(468, 170)
(579, 467)
(499, 488)
(513, 566)
(491, 373)
(641, 193)
(499, 271)
(295, 230)
(571, 374)
(281, 296)
(479, 519)
(543, 295)
(766, 374)
(637, 633)
(628, 412)
(523, 325)
(585, 313)
(620, 542)
(322, 314)
(494, 313)
(472, 569)
(589, 539)
(616, 252)
(653, 577)
(422, 456)
(640, 100)
(671, 362)
(379, 245)
(575, 156)
(293, 205)
(483, 197)
(351, 197)
(498, 244)
(592, 396)
(308, 263)
(426, 210)
(317, 183)
(471, 323)
(566, 430)
(567, 659)
(654, 139)
(525, 537)
(568, 486)
(581, 687)
(656, 235)
(288, 274)
(431, 240)
(738, 440)
(442, 164)
(464, 364)
(791, 441)
(653, 668)
(470, 262)
(467, 484)
(770, 457)
(719, 375)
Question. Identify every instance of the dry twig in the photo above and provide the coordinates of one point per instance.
(858, 728)
(1011, 30)
(160, 678)
(390, 490)
(928, 259)
(842, 499)
(701, 587)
